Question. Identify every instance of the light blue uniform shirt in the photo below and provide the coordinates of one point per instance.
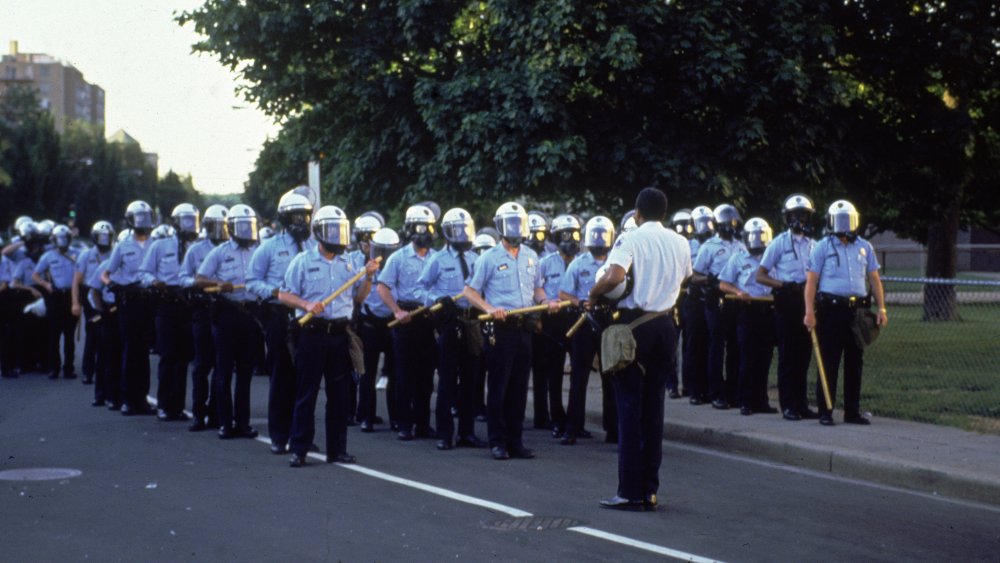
(193, 258)
(126, 258)
(401, 272)
(228, 262)
(94, 281)
(507, 282)
(5, 269)
(787, 257)
(580, 276)
(88, 261)
(713, 255)
(741, 271)
(22, 272)
(162, 263)
(695, 245)
(442, 275)
(270, 262)
(843, 268)
(58, 266)
(312, 277)
(553, 269)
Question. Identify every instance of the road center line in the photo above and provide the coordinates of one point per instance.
(658, 549)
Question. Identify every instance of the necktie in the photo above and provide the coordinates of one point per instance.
(464, 264)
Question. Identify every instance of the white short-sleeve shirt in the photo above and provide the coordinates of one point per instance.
(660, 259)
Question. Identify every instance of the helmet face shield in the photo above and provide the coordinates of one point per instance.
(703, 225)
(187, 224)
(216, 231)
(515, 227)
(61, 240)
(844, 222)
(598, 238)
(102, 238)
(459, 232)
(142, 220)
(333, 232)
(244, 228)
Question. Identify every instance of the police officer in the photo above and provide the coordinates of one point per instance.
(682, 223)
(628, 222)
(413, 338)
(755, 319)
(376, 338)
(235, 328)
(365, 226)
(661, 260)
(508, 277)
(322, 353)
(575, 287)
(720, 315)
(216, 232)
(783, 268)
(54, 273)
(444, 276)
(549, 345)
(694, 367)
(108, 379)
(102, 234)
(31, 338)
(161, 270)
(839, 268)
(264, 278)
(538, 229)
(135, 308)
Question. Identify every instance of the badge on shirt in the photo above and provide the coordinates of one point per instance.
(283, 253)
(230, 259)
(501, 267)
(311, 270)
(864, 251)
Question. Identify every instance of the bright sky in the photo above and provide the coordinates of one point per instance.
(179, 105)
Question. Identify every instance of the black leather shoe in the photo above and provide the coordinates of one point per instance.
(499, 453)
(197, 426)
(744, 411)
(611, 438)
(568, 440)
(856, 419)
(791, 414)
(297, 461)
(650, 503)
(226, 433)
(278, 449)
(114, 406)
(367, 426)
(342, 458)
(247, 432)
(126, 410)
(87, 380)
(444, 445)
(584, 434)
(404, 435)
(471, 441)
(558, 432)
(826, 420)
(618, 503)
(69, 376)
(378, 420)
(162, 415)
(766, 410)
(179, 416)
(425, 432)
(673, 394)
(521, 453)
(696, 401)
(98, 404)
(720, 404)
(808, 414)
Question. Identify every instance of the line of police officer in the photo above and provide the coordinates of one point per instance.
(210, 291)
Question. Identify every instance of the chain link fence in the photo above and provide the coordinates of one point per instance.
(938, 361)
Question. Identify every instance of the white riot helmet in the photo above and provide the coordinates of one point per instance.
(186, 221)
(306, 191)
(216, 229)
(266, 233)
(616, 292)
(21, 221)
(418, 226)
(704, 221)
(566, 234)
(295, 213)
(483, 242)
(27, 230)
(599, 235)
(727, 221)
(798, 211)
(45, 227)
(538, 229)
(683, 223)
(384, 242)
(103, 234)
(62, 236)
(843, 219)
(332, 229)
(628, 222)
(139, 217)
(243, 224)
(458, 228)
(365, 226)
(511, 221)
(757, 234)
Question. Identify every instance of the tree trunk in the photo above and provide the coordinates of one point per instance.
(940, 301)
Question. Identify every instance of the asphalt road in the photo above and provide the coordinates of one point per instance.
(152, 491)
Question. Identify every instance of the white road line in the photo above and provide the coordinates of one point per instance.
(658, 549)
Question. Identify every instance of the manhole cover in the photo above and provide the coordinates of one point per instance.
(39, 474)
(533, 523)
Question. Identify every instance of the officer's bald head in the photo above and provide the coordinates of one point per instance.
(651, 204)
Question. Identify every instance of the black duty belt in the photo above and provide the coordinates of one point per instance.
(831, 300)
(327, 326)
(408, 305)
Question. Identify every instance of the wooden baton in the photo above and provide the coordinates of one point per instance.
(425, 309)
(822, 370)
(525, 310)
(329, 298)
(218, 288)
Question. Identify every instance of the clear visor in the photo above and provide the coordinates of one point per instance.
(188, 224)
(142, 220)
(570, 235)
(702, 225)
(845, 222)
(216, 230)
(598, 237)
(332, 232)
(61, 241)
(421, 228)
(244, 228)
(756, 239)
(459, 232)
(803, 216)
(102, 238)
(515, 226)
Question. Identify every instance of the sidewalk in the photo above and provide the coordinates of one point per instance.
(939, 460)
